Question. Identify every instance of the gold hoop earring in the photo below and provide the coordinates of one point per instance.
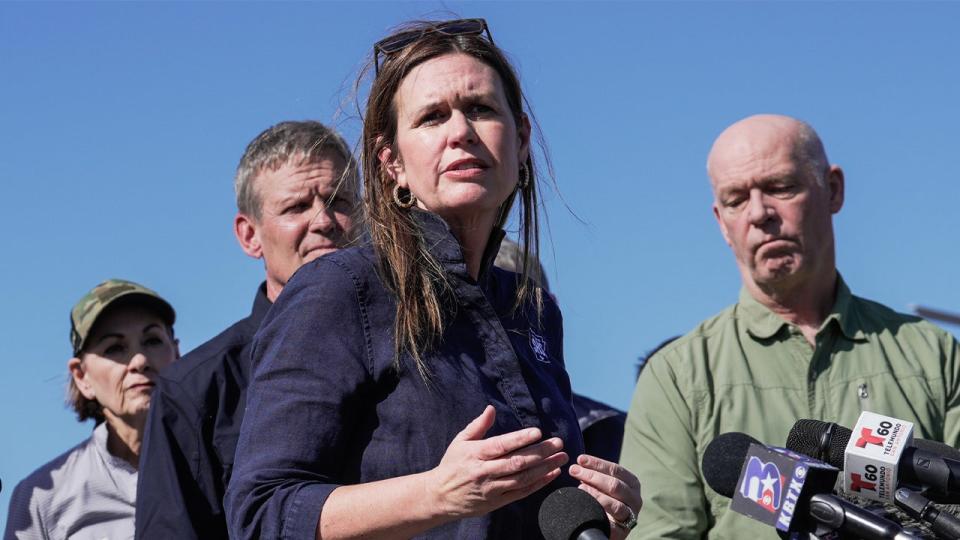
(524, 181)
(411, 200)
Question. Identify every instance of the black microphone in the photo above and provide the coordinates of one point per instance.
(805, 505)
(943, 524)
(572, 514)
(944, 451)
(929, 465)
(840, 515)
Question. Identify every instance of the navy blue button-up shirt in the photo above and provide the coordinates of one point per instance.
(326, 407)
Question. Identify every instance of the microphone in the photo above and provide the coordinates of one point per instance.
(941, 449)
(944, 524)
(572, 514)
(840, 515)
(929, 465)
(788, 491)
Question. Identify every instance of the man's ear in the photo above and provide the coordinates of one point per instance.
(75, 366)
(393, 166)
(247, 232)
(723, 226)
(835, 187)
(176, 347)
(523, 133)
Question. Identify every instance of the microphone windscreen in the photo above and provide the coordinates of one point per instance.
(941, 449)
(723, 459)
(568, 511)
(806, 437)
(945, 451)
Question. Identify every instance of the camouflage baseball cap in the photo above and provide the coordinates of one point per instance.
(85, 312)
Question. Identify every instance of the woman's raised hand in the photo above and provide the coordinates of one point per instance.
(478, 475)
(616, 488)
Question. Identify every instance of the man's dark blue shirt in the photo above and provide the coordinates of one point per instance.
(191, 435)
(602, 427)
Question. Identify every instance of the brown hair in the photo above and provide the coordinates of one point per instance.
(85, 408)
(410, 272)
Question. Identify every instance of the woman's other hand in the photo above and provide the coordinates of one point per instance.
(478, 475)
(616, 488)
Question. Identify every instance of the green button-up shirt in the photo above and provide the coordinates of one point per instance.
(748, 370)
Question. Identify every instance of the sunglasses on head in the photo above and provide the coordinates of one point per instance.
(397, 42)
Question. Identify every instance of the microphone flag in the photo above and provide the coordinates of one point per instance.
(872, 456)
(776, 484)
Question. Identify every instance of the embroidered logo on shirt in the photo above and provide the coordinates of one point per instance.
(539, 347)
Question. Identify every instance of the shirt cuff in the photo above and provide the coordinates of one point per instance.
(305, 510)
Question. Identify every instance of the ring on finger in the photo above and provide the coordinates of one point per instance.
(627, 524)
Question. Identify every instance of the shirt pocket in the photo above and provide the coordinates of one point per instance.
(909, 397)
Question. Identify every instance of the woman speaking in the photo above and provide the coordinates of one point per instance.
(408, 387)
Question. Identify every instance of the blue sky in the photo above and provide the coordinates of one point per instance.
(123, 123)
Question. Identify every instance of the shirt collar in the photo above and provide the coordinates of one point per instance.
(845, 313)
(761, 323)
(261, 305)
(100, 435)
(444, 246)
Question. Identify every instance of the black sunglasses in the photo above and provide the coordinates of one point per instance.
(397, 42)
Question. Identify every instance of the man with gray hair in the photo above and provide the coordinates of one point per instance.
(797, 345)
(297, 192)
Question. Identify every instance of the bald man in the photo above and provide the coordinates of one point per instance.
(796, 345)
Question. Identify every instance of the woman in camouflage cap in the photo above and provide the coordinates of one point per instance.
(121, 334)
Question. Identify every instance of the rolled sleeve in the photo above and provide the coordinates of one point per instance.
(310, 369)
(305, 508)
